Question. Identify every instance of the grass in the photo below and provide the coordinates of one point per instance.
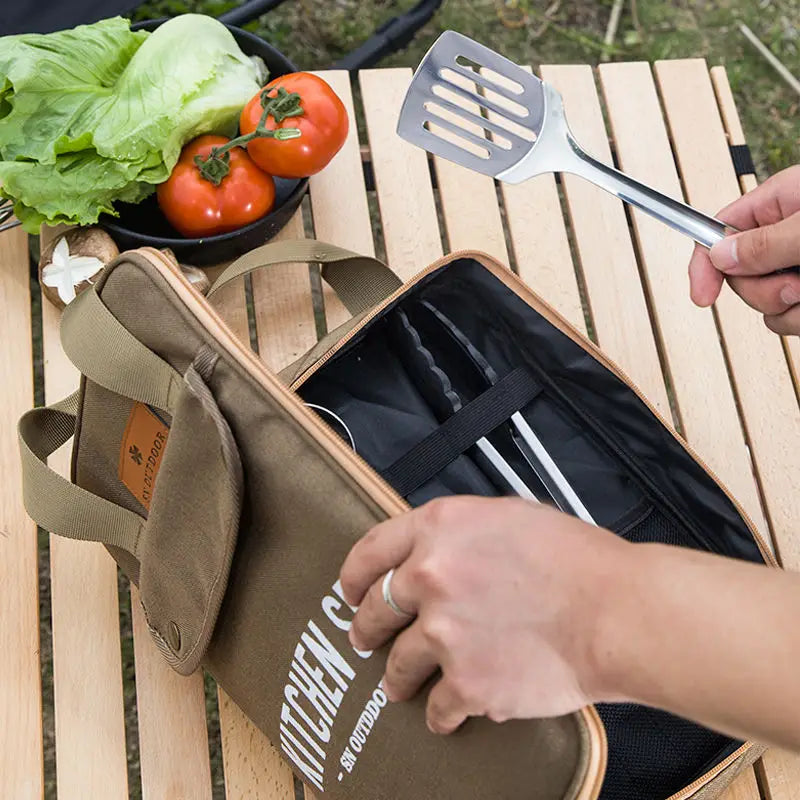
(315, 34)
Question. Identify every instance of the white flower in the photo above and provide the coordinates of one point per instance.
(66, 271)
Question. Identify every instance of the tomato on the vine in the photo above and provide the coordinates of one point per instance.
(300, 101)
(234, 195)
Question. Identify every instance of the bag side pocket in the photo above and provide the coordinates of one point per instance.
(191, 531)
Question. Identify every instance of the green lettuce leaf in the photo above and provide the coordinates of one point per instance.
(100, 113)
(40, 191)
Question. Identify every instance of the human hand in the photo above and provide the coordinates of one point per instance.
(503, 596)
(769, 218)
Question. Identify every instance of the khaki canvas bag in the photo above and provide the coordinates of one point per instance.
(231, 504)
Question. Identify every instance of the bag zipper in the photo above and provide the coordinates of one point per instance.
(513, 282)
(709, 776)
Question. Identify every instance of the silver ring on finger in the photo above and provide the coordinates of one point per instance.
(387, 596)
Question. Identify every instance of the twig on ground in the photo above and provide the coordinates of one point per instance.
(776, 63)
(551, 11)
(637, 24)
(611, 30)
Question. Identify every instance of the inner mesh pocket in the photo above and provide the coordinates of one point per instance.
(653, 754)
(655, 527)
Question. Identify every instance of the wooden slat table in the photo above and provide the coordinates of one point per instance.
(729, 385)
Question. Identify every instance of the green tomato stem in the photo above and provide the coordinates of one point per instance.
(216, 165)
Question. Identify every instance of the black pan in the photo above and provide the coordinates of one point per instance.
(144, 224)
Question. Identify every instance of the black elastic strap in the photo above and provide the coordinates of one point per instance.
(742, 160)
(456, 435)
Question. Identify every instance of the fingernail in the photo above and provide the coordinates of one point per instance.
(353, 638)
(387, 690)
(790, 296)
(430, 726)
(725, 254)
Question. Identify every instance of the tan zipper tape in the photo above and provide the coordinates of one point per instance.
(598, 755)
(695, 786)
(383, 494)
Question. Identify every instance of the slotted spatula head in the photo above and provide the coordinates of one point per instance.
(473, 106)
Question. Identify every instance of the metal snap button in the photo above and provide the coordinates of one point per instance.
(174, 634)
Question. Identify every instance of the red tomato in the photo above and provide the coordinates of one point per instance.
(323, 127)
(197, 207)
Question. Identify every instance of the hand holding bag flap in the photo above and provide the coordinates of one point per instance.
(184, 547)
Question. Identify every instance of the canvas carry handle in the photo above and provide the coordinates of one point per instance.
(360, 282)
(55, 503)
(109, 355)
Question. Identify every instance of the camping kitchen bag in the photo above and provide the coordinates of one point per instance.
(231, 497)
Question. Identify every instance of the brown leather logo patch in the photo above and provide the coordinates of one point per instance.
(142, 449)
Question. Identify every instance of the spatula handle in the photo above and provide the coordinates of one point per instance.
(704, 229)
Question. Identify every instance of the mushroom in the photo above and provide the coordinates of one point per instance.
(72, 262)
(194, 275)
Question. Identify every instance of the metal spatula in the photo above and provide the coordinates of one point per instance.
(514, 127)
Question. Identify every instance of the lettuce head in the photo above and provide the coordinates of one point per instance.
(99, 113)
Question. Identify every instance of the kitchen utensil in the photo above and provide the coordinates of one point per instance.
(7, 220)
(531, 446)
(515, 128)
(446, 401)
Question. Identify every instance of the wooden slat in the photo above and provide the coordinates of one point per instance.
(283, 308)
(540, 244)
(339, 198)
(402, 177)
(744, 787)
(779, 773)
(792, 346)
(690, 341)
(539, 238)
(20, 686)
(469, 200)
(758, 363)
(603, 242)
(253, 767)
(733, 127)
(730, 118)
(87, 665)
(171, 710)
(282, 298)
